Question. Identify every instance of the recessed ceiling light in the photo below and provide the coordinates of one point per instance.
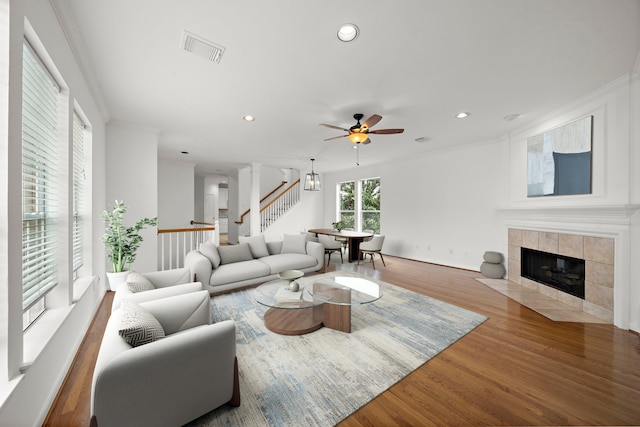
(462, 115)
(348, 32)
(511, 117)
(248, 118)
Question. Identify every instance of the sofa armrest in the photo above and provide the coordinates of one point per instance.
(140, 297)
(170, 381)
(181, 312)
(316, 250)
(199, 266)
(164, 278)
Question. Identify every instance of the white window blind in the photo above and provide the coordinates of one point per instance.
(39, 179)
(78, 190)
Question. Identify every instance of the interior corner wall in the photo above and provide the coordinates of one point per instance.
(198, 198)
(634, 182)
(176, 193)
(132, 177)
(438, 208)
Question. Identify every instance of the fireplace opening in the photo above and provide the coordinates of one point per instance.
(560, 272)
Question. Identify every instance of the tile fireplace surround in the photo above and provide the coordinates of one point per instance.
(601, 235)
(599, 256)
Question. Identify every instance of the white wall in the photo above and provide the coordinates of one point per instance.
(132, 168)
(25, 398)
(198, 201)
(270, 178)
(610, 149)
(176, 192)
(306, 214)
(438, 208)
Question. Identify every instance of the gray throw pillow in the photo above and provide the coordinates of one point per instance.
(137, 325)
(210, 250)
(136, 282)
(257, 245)
(234, 253)
(294, 244)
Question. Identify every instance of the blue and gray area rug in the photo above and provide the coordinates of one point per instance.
(320, 378)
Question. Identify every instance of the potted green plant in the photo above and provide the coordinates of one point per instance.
(122, 242)
(338, 225)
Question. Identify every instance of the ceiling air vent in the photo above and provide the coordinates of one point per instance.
(201, 47)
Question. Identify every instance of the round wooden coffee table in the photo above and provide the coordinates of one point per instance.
(289, 313)
(321, 300)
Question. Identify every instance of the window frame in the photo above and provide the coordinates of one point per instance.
(358, 211)
(79, 176)
(40, 182)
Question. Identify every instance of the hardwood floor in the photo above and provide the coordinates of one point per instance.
(517, 368)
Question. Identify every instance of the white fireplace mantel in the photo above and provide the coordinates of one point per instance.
(586, 215)
(599, 221)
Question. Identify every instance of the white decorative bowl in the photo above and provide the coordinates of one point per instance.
(291, 274)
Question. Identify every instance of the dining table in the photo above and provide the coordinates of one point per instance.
(354, 238)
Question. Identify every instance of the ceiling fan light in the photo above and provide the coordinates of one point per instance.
(357, 137)
(348, 32)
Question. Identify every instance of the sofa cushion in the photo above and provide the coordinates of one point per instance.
(282, 262)
(257, 245)
(136, 282)
(234, 253)
(137, 325)
(239, 271)
(294, 244)
(210, 251)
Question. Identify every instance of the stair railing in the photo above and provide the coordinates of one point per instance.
(174, 244)
(271, 193)
(280, 205)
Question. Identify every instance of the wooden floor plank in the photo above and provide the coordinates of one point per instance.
(517, 368)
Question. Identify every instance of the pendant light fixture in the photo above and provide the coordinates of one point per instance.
(312, 181)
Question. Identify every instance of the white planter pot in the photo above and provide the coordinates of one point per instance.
(115, 279)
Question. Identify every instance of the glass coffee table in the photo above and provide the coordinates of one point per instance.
(321, 300)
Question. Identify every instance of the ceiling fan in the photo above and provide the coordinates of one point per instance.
(359, 133)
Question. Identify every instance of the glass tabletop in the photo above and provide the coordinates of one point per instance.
(277, 294)
(344, 290)
(317, 290)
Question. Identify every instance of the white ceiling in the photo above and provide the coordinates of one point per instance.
(416, 63)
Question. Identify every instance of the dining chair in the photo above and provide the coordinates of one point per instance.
(372, 247)
(368, 239)
(343, 240)
(331, 245)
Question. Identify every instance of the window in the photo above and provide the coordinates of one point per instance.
(370, 204)
(346, 213)
(78, 190)
(359, 204)
(40, 99)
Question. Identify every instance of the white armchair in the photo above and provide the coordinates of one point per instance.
(371, 247)
(173, 380)
(166, 283)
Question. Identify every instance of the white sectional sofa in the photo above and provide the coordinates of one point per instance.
(252, 261)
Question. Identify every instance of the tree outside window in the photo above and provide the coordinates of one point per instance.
(370, 202)
(359, 205)
(347, 204)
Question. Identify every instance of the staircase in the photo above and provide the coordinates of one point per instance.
(275, 204)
